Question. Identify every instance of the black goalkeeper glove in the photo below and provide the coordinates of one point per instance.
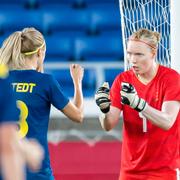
(129, 96)
(102, 98)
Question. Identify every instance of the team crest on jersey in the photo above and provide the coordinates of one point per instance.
(156, 96)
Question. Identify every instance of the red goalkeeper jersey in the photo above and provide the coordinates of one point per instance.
(151, 155)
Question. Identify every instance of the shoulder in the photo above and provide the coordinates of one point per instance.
(43, 77)
(168, 74)
(49, 80)
(48, 77)
(168, 71)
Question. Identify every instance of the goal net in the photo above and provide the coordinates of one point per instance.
(150, 14)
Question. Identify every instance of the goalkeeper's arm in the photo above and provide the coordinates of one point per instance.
(163, 119)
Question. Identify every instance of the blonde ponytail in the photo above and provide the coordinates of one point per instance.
(14, 48)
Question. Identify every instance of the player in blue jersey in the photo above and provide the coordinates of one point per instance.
(13, 151)
(24, 52)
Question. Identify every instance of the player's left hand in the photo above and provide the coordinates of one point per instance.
(130, 97)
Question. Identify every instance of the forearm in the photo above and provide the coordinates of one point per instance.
(78, 96)
(163, 118)
(106, 124)
(109, 120)
(159, 118)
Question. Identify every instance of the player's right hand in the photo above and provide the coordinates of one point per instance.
(102, 98)
(77, 73)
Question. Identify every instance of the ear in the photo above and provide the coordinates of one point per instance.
(154, 53)
(39, 53)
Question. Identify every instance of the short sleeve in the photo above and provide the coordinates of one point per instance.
(115, 93)
(57, 98)
(172, 87)
(8, 108)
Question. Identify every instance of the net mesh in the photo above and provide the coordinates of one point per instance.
(150, 14)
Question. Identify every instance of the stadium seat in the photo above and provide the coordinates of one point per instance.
(21, 3)
(104, 17)
(63, 45)
(13, 20)
(13, 1)
(59, 47)
(65, 19)
(110, 74)
(89, 81)
(102, 1)
(65, 83)
(56, 1)
(98, 47)
(15, 6)
(72, 1)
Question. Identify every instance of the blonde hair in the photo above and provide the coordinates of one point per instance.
(149, 37)
(16, 47)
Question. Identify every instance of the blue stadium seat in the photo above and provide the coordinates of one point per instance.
(13, 1)
(112, 33)
(73, 1)
(66, 18)
(110, 74)
(18, 3)
(13, 20)
(59, 47)
(101, 1)
(87, 48)
(56, 1)
(7, 7)
(104, 16)
(65, 80)
(89, 82)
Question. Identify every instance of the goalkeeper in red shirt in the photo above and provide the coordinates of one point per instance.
(148, 95)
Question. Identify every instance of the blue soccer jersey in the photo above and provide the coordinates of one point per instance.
(35, 92)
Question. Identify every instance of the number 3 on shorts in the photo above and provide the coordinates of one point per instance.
(23, 125)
